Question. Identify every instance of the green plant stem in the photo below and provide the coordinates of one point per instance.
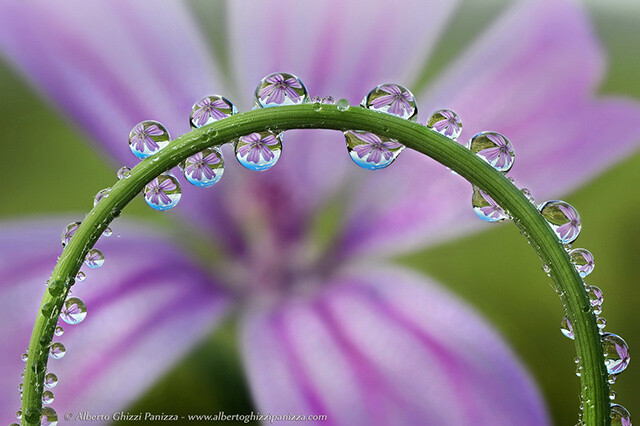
(569, 285)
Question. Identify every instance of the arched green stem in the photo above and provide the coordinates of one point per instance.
(451, 154)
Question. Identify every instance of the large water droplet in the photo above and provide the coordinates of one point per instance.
(392, 99)
(620, 416)
(566, 328)
(123, 173)
(68, 232)
(563, 218)
(147, 138)
(74, 311)
(595, 295)
(49, 417)
(210, 109)
(494, 148)
(107, 232)
(259, 151)
(57, 350)
(280, 88)
(485, 207)
(103, 193)
(94, 259)
(445, 122)
(50, 381)
(583, 261)
(616, 353)
(370, 151)
(47, 397)
(163, 192)
(204, 168)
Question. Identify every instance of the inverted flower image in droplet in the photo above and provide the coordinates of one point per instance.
(280, 88)
(94, 258)
(57, 350)
(392, 99)
(259, 151)
(563, 218)
(616, 353)
(485, 207)
(445, 122)
(210, 109)
(163, 192)
(204, 168)
(370, 151)
(123, 172)
(47, 397)
(50, 381)
(595, 295)
(583, 261)
(620, 416)
(49, 417)
(68, 232)
(147, 138)
(494, 148)
(73, 311)
(566, 328)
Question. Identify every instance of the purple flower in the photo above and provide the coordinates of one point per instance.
(278, 87)
(256, 148)
(449, 124)
(398, 101)
(374, 147)
(319, 333)
(570, 230)
(156, 190)
(141, 140)
(501, 155)
(208, 108)
(198, 166)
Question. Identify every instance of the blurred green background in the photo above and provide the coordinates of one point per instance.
(523, 307)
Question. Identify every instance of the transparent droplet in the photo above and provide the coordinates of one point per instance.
(612, 395)
(370, 151)
(612, 379)
(563, 218)
(59, 331)
(107, 232)
(579, 373)
(123, 172)
(210, 109)
(583, 260)
(601, 322)
(597, 309)
(204, 168)
(494, 148)
(163, 192)
(527, 193)
(595, 295)
(280, 88)
(50, 380)
(49, 417)
(20, 386)
(546, 268)
(24, 357)
(259, 151)
(19, 414)
(620, 416)
(392, 99)
(47, 397)
(68, 232)
(147, 138)
(342, 105)
(445, 122)
(485, 207)
(328, 100)
(57, 350)
(566, 328)
(80, 276)
(616, 353)
(74, 311)
(94, 258)
(103, 193)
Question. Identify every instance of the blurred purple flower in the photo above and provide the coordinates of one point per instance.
(373, 145)
(320, 332)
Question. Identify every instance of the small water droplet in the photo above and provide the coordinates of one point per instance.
(59, 331)
(342, 105)
(601, 322)
(147, 138)
(50, 381)
(445, 122)
(74, 311)
(494, 148)
(527, 193)
(204, 168)
(49, 417)
(80, 276)
(583, 261)
(123, 172)
(612, 379)
(597, 309)
(595, 295)
(280, 88)
(210, 109)
(47, 397)
(328, 100)
(392, 99)
(20, 386)
(24, 357)
(370, 151)
(616, 353)
(259, 151)
(94, 258)
(579, 373)
(612, 394)
(546, 268)
(57, 350)
(103, 193)
(485, 207)
(107, 232)
(620, 416)
(566, 328)
(19, 414)
(163, 192)
(563, 218)
(68, 232)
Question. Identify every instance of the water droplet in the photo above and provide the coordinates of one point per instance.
(616, 353)
(563, 218)
(583, 260)
(210, 109)
(204, 168)
(595, 295)
(24, 357)
(392, 99)
(494, 148)
(485, 207)
(107, 232)
(47, 397)
(49, 417)
(597, 309)
(57, 350)
(328, 100)
(259, 151)
(445, 122)
(74, 311)
(68, 232)
(19, 414)
(20, 386)
(147, 138)
(280, 88)
(546, 268)
(601, 322)
(612, 394)
(579, 373)
(612, 379)
(620, 416)
(342, 104)
(527, 193)
(123, 173)
(103, 193)
(59, 331)
(94, 258)
(80, 276)
(316, 99)
(370, 151)
(50, 381)
(566, 328)
(163, 192)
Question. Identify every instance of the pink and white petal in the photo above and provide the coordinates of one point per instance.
(532, 76)
(147, 305)
(385, 346)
